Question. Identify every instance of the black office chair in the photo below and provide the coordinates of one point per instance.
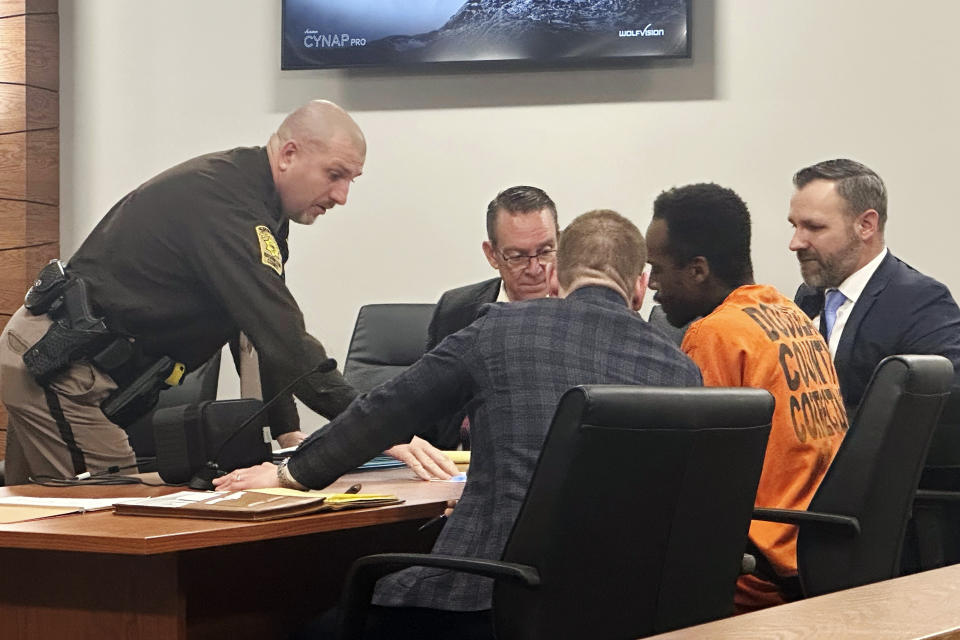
(853, 530)
(933, 539)
(635, 521)
(197, 386)
(387, 339)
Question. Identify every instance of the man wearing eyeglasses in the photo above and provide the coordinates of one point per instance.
(521, 241)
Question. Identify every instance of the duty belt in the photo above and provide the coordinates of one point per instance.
(77, 334)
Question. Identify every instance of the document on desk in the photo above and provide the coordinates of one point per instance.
(338, 501)
(23, 508)
(459, 458)
(254, 505)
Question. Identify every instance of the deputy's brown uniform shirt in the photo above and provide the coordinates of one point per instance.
(194, 256)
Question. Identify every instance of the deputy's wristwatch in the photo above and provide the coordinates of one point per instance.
(285, 478)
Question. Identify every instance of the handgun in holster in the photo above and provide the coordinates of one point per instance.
(75, 333)
(125, 405)
(46, 288)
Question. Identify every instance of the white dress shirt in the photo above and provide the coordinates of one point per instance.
(502, 296)
(851, 288)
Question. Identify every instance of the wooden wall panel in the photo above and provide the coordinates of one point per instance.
(3, 409)
(20, 7)
(30, 166)
(18, 269)
(23, 224)
(29, 150)
(30, 51)
(43, 51)
(13, 50)
(12, 8)
(23, 108)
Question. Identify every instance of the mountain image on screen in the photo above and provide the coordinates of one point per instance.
(486, 30)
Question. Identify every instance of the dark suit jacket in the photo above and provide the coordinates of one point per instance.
(456, 309)
(459, 307)
(900, 311)
(510, 368)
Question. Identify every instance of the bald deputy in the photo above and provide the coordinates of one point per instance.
(181, 265)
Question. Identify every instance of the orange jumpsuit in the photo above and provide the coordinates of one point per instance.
(758, 338)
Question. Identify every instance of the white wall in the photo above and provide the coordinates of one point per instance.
(773, 85)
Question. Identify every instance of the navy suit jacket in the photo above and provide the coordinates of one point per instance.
(901, 311)
(509, 368)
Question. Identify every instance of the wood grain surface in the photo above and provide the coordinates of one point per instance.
(30, 49)
(137, 578)
(30, 166)
(29, 149)
(24, 108)
(923, 605)
(18, 269)
(20, 7)
(24, 224)
(105, 532)
(3, 410)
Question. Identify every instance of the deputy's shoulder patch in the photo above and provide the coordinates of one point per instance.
(269, 250)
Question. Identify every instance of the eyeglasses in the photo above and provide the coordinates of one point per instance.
(519, 261)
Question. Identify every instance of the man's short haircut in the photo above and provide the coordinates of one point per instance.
(859, 185)
(601, 244)
(710, 221)
(520, 199)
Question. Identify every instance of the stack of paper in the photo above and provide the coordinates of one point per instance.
(23, 508)
(460, 458)
(258, 504)
(380, 462)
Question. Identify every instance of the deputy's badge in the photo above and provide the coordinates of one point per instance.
(269, 251)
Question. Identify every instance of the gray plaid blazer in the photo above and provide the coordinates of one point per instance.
(509, 368)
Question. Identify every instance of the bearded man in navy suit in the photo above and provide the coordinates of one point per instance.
(869, 304)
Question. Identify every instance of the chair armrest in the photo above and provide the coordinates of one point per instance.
(934, 496)
(793, 516)
(367, 570)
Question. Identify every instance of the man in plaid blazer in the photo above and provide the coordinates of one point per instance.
(509, 368)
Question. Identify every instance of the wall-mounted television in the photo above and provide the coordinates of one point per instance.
(323, 34)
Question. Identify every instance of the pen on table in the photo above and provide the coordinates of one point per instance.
(432, 521)
(354, 488)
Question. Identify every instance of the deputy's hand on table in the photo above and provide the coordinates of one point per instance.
(291, 439)
(426, 460)
(258, 477)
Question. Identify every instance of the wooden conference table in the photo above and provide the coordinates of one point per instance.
(100, 575)
(920, 606)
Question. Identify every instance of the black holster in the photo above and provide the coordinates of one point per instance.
(74, 335)
(141, 394)
(77, 334)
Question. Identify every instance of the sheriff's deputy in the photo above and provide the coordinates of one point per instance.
(178, 267)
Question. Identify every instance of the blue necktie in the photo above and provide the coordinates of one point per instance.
(834, 299)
